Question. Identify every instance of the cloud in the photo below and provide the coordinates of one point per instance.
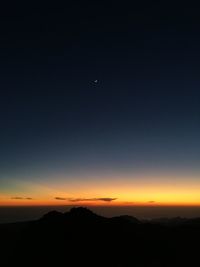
(81, 199)
(105, 199)
(22, 198)
(60, 198)
(151, 201)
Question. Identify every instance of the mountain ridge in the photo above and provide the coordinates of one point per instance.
(80, 237)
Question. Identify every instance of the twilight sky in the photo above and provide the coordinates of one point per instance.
(132, 137)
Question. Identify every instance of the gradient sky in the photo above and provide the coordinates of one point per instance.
(132, 138)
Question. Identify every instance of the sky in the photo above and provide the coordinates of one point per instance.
(99, 104)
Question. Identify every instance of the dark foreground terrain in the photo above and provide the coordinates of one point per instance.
(82, 238)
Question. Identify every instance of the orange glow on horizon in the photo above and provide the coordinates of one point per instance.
(53, 202)
(128, 191)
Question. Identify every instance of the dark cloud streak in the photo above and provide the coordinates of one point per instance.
(60, 198)
(105, 199)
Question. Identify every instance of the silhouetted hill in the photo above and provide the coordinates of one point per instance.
(74, 213)
(125, 219)
(170, 221)
(81, 215)
(82, 238)
(52, 216)
(177, 221)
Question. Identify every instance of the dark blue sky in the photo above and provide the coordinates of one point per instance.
(143, 114)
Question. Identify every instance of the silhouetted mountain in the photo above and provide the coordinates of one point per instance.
(82, 238)
(82, 214)
(177, 221)
(170, 221)
(125, 219)
(52, 216)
